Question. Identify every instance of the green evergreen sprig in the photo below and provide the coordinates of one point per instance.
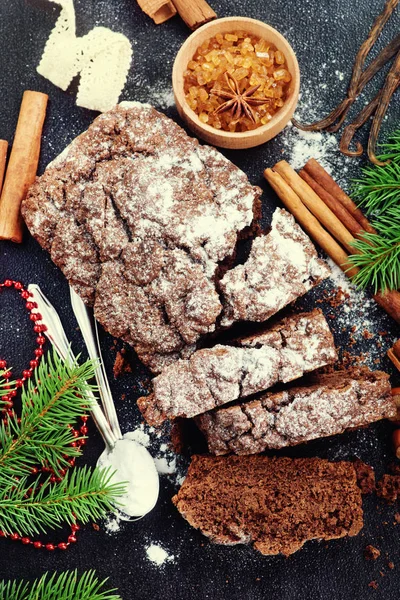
(63, 586)
(54, 399)
(50, 404)
(378, 191)
(84, 495)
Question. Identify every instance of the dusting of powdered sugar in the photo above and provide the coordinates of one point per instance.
(362, 328)
(299, 146)
(157, 555)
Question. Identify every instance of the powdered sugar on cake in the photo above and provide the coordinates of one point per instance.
(282, 266)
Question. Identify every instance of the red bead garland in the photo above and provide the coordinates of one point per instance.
(38, 328)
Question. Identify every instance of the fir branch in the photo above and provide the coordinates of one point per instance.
(379, 254)
(391, 148)
(84, 495)
(49, 404)
(63, 586)
(379, 187)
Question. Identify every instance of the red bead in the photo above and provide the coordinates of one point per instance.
(84, 418)
(84, 430)
(40, 340)
(34, 470)
(30, 305)
(25, 540)
(2, 534)
(19, 383)
(8, 283)
(14, 536)
(7, 375)
(38, 352)
(75, 433)
(53, 479)
(72, 539)
(37, 328)
(35, 317)
(71, 460)
(62, 546)
(82, 442)
(26, 374)
(3, 364)
(50, 547)
(18, 285)
(75, 527)
(34, 364)
(74, 444)
(13, 393)
(37, 544)
(25, 295)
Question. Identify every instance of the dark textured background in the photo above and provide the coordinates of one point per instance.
(321, 31)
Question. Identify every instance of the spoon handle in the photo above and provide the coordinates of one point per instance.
(56, 334)
(93, 346)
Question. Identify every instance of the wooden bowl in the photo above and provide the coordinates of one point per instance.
(226, 139)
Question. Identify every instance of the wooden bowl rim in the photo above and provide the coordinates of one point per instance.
(242, 135)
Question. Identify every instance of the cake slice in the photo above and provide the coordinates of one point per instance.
(282, 266)
(214, 376)
(277, 504)
(333, 403)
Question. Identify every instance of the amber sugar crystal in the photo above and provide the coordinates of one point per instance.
(242, 60)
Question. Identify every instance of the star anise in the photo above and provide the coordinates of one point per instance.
(238, 103)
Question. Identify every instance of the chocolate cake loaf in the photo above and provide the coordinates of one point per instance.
(331, 404)
(282, 266)
(139, 216)
(214, 376)
(276, 504)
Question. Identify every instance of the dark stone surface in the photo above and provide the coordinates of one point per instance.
(321, 31)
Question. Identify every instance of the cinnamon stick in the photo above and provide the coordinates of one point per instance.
(319, 174)
(23, 163)
(3, 159)
(309, 223)
(314, 203)
(158, 10)
(390, 302)
(336, 207)
(394, 355)
(194, 12)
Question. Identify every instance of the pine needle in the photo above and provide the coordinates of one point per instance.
(63, 586)
(55, 399)
(43, 437)
(84, 495)
(378, 191)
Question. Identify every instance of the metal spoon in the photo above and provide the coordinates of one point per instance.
(87, 326)
(141, 476)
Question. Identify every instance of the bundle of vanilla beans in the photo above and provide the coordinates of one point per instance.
(378, 106)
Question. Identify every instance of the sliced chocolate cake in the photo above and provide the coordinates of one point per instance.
(215, 376)
(139, 216)
(282, 266)
(329, 405)
(276, 504)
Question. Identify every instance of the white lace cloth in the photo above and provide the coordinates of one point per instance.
(102, 58)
